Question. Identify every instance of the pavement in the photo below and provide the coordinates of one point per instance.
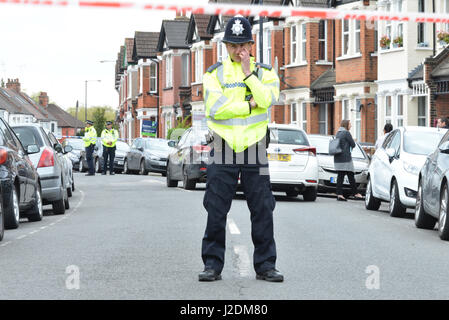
(131, 237)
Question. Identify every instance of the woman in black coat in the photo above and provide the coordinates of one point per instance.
(343, 161)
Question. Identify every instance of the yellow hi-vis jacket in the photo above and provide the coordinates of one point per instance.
(90, 136)
(227, 112)
(109, 136)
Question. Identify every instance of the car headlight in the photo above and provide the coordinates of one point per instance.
(154, 158)
(410, 168)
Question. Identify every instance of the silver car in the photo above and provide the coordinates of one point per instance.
(49, 163)
(67, 163)
(327, 175)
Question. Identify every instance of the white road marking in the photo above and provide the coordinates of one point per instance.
(184, 189)
(233, 227)
(44, 227)
(33, 232)
(5, 244)
(243, 261)
(52, 224)
(21, 237)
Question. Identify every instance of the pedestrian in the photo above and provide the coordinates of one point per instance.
(109, 137)
(387, 129)
(238, 96)
(439, 122)
(90, 138)
(343, 161)
(445, 123)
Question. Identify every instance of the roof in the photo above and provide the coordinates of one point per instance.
(41, 109)
(145, 45)
(326, 80)
(417, 73)
(5, 104)
(64, 118)
(129, 45)
(198, 24)
(23, 105)
(173, 32)
(122, 58)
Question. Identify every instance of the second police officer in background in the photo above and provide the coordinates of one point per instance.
(109, 137)
(90, 138)
(238, 95)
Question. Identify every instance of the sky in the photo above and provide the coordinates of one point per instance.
(56, 49)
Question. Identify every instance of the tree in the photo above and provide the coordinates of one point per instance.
(99, 119)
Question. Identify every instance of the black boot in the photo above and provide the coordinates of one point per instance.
(209, 275)
(272, 275)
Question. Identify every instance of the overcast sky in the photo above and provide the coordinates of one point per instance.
(56, 49)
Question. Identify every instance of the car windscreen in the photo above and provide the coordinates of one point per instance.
(123, 146)
(423, 143)
(76, 144)
(160, 145)
(288, 136)
(28, 136)
(197, 137)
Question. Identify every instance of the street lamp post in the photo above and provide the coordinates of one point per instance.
(85, 97)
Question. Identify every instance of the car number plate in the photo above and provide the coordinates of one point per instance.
(334, 180)
(279, 157)
(120, 162)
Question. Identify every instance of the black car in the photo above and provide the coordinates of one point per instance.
(187, 162)
(432, 198)
(121, 150)
(147, 155)
(20, 184)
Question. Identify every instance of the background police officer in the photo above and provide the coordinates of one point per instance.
(90, 138)
(109, 138)
(238, 97)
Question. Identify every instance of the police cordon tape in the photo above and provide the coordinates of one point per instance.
(80, 137)
(244, 10)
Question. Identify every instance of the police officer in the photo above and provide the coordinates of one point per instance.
(109, 138)
(238, 95)
(90, 138)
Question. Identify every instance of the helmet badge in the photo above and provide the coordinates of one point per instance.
(237, 28)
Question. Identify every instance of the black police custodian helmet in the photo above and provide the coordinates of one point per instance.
(238, 30)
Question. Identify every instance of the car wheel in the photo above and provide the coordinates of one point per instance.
(443, 223)
(12, 213)
(143, 171)
(59, 205)
(97, 165)
(189, 184)
(170, 183)
(37, 212)
(292, 193)
(422, 219)
(66, 201)
(310, 194)
(2, 224)
(69, 192)
(396, 209)
(73, 186)
(81, 166)
(371, 203)
(125, 167)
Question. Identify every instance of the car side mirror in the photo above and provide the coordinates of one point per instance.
(172, 144)
(33, 148)
(58, 148)
(444, 147)
(68, 148)
(390, 153)
(140, 149)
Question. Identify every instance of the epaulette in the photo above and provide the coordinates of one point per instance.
(213, 67)
(265, 66)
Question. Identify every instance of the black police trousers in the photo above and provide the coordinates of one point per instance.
(222, 180)
(89, 158)
(108, 154)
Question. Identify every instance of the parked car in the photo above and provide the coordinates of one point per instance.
(67, 163)
(21, 192)
(50, 165)
(188, 159)
(327, 175)
(394, 169)
(76, 154)
(433, 191)
(292, 160)
(121, 150)
(147, 155)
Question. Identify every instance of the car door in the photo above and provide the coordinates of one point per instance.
(180, 154)
(437, 172)
(384, 166)
(60, 155)
(133, 154)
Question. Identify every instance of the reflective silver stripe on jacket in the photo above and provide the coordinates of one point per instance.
(220, 102)
(220, 74)
(243, 122)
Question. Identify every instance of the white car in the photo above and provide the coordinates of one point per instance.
(327, 175)
(394, 169)
(292, 161)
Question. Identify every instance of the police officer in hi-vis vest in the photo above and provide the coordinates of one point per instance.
(90, 138)
(238, 95)
(109, 137)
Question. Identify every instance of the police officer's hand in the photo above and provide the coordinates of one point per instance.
(252, 103)
(245, 61)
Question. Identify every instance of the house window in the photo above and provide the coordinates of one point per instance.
(345, 109)
(322, 40)
(304, 116)
(293, 46)
(153, 78)
(141, 79)
(422, 111)
(376, 37)
(168, 71)
(358, 121)
(388, 109)
(199, 65)
(446, 10)
(421, 25)
(357, 36)
(400, 111)
(303, 42)
(267, 58)
(294, 113)
(222, 53)
(345, 37)
(185, 70)
(322, 121)
(52, 127)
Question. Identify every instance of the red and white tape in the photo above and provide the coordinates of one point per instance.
(245, 10)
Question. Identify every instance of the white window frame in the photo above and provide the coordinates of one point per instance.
(345, 34)
(388, 118)
(422, 117)
(304, 116)
(141, 79)
(345, 109)
(222, 53)
(199, 65)
(185, 70)
(326, 106)
(151, 77)
(294, 111)
(130, 84)
(321, 40)
(303, 42)
(268, 47)
(421, 25)
(294, 44)
(168, 71)
(357, 36)
(399, 117)
(358, 121)
(446, 10)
